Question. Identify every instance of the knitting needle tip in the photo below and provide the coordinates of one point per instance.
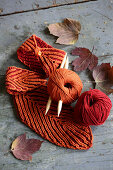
(63, 62)
(59, 107)
(60, 101)
(48, 105)
(66, 63)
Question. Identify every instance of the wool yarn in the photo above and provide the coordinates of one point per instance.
(92, 108)
(30, 97)
(64, 85)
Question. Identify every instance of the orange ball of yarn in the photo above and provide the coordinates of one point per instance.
(64, 85)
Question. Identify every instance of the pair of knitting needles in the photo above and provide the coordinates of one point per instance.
(64, 64)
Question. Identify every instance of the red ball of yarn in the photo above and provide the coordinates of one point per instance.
(64, 85)
(92, 108)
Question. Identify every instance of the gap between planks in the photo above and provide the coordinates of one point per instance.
(42, 8)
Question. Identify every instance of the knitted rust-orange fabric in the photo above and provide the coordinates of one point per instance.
(30, 97)
(29, 91)
(39, 56)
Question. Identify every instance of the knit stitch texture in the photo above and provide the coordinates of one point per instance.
(29, 91)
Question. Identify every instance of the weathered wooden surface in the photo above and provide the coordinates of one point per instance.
(15, 6)
(96, 20)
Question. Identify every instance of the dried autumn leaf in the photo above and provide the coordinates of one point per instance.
(22, 148)
(85, 60)
(67, 31)
(103, 76)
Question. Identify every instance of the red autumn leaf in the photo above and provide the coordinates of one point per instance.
(85, 60)
(22, 148)
(103, 76)
(67, 31)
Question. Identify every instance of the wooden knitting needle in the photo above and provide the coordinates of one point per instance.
(63, 62)
(50, 100)
(66, 63)
(60, 101)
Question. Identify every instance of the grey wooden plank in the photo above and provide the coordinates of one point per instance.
(96, 31)
(15, 6)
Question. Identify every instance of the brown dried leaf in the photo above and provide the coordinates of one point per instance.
(1, 10)
(103, 76)
(86, 59)
(22, 148)
(67, 31)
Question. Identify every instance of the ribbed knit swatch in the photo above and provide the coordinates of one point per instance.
(30, 96)
(39, 56)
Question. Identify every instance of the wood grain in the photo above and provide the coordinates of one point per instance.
(96, 20)
(21, 6)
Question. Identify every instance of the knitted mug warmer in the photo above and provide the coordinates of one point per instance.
(30, 95)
